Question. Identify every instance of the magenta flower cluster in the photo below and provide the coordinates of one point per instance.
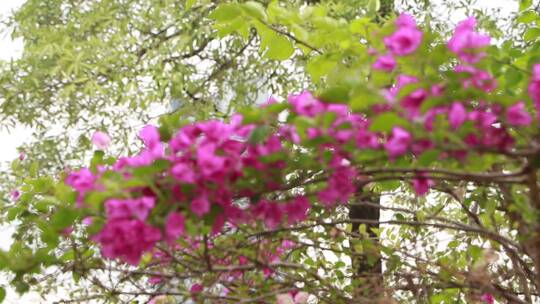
(214, 166)
(404, 41)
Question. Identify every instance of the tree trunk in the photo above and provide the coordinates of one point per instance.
(367, 263)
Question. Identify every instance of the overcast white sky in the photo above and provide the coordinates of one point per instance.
(9, 49)
(10, 140)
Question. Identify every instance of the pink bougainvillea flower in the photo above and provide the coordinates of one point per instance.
(487, 298)
(306, 104)
(534, 88)
(182, 172)
(297, 209)
(15, 195)
(421, 184)
(421, 145)
(117, 209)
(517, 115)
(367, 140)
(289, 133)
(140, 208)
(67, 231)
(269, 212)
(175, 226)
(398, 143)
(535, 72)
(153, 280)
(101, 140)
(158, 299)
(412, 102)
(407, 37)
(340, 186)
(301, 297)
(288, 244)
(82, 180)
(401, 81)
(87, 221)
(127, 239)
(208, 161)
(342, 110)
(149, 135)
(437, 90)
(196, 288)
(372, 51)
(284, 298)
(468, 44)
(431, 114)
(273, 215)
(219, 223)
(200, 205)
(405, 20)
(243, 260)
(483, 118)
(385, 63)
(129, 208)
(457, 115)
(270, 101)
(476, 78)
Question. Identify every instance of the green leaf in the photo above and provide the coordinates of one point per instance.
(42, 185)
(190, 3)
(531, 34)
(381, 78)
(21, 287)
(251, 115)
(390, 185)
(386, 121)
(428, 157)
(68, 256)
(362, 26)
(226, 12)
(157, 166)
(279, 48)
(527, 17)
(328, 118)
(361, 99)
(96, 199)
(275, 10)
(259, 134)
(237, 25)
(48, 234)
(63, 218)
(373, 6)
(475, 251)
(336, 94)
(34, 168)
(14, 212)
(96, 226)
(524, 4)
(320, 66)
(97, 159)
(2, 294)
(65, 193)
(274, 157)
(255, 10)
